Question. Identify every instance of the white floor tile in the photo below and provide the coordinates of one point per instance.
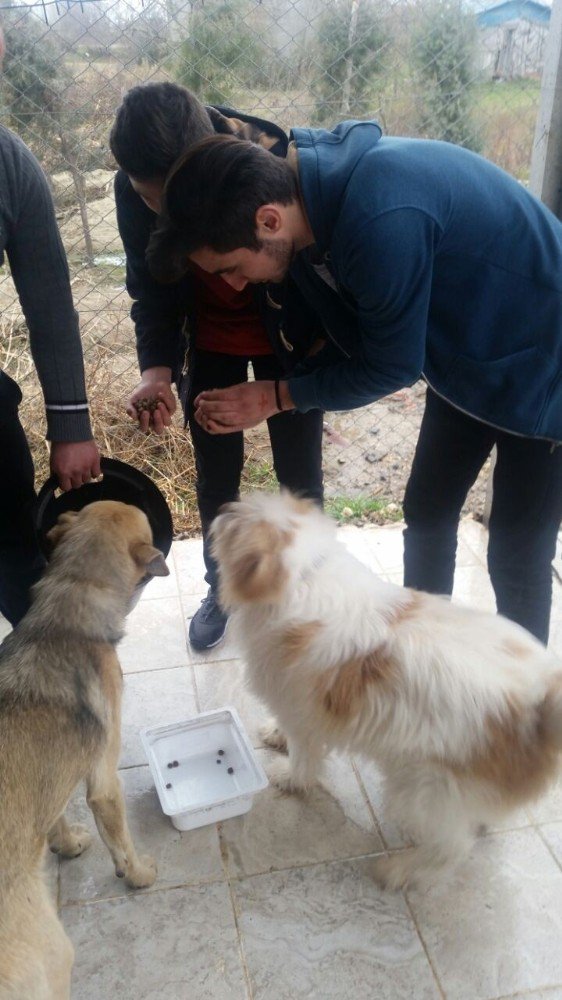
(494, 926)
(183, 858)
(175, 945)
(152, 699)
(155, 636)
(280, 831)
(328, 933)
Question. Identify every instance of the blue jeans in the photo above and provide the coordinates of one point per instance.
(524, 521)
(296, 442)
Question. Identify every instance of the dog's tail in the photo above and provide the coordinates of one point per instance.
(552, 717)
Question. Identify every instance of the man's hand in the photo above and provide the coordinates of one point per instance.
(74, 462)
(153, 401)
(222, 411)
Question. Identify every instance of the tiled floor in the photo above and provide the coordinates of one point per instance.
(279, 904)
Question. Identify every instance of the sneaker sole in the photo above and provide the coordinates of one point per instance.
(211, 645)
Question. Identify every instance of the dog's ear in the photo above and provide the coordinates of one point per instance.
(253, 570)
(61, 527)
(150, 559)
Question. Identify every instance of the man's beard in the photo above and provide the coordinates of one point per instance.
(283, 253)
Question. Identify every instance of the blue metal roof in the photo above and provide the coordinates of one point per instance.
(513, 10)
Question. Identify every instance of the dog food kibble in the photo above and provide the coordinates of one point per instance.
(170, 763)
(231, 770)
(169, 785)
(221, 753)
(175, 763)
(146, 404)
(219, 761)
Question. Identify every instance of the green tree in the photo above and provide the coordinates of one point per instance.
(222, 53)
(443, 54)
(347, 59)
(39, 102)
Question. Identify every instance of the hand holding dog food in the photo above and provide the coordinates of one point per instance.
(153, 402)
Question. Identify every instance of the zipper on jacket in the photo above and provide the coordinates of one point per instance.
(504, 430)
(286, 343)
(271, 302)
(185, 335)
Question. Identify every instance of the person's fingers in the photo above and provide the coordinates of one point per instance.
(144, 421)
(65, 483)
(233, 392)
(165, 413)
(156, 422)
(168, 400)
(214, 427)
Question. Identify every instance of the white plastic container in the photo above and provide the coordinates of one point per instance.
(202, 789)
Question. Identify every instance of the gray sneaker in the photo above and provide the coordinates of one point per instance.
(208, 624)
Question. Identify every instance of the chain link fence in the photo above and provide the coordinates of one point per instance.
(445, 69)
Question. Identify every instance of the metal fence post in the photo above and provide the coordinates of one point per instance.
(546, 162)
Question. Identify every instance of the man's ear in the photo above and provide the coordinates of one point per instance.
(61, 527)
(269, 220)
(150, 559)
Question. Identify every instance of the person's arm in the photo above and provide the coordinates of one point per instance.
(156, 310)
(387, 271)
(40, 273)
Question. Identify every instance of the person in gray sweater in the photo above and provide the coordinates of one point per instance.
(30, 240)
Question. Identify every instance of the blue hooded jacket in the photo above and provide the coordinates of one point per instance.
(435, 263)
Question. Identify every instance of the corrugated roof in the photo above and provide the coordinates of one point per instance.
(513, 10)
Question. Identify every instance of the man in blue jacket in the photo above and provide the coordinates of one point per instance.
(422, 259)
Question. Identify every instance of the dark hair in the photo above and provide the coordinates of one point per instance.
(211, 198)
(154, 125)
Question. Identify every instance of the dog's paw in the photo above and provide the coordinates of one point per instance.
(142, 875)
(393, 872)
(271, 736)
(281, 776)
(70, 842)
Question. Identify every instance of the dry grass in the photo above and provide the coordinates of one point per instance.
(110, 376)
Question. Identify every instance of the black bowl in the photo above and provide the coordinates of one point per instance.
(120, 482)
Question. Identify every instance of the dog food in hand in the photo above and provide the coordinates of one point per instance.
(146, 404)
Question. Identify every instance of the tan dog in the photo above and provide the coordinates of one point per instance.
(462, 710)
(60, 708)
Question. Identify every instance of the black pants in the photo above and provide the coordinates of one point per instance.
(21, 561)
(296, 442)
(524, 521)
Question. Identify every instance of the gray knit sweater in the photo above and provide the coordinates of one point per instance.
(30, 238)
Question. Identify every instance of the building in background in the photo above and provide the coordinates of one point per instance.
(513, 37)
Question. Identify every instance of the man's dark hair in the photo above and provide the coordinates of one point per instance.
(154, 125)
(211, 198)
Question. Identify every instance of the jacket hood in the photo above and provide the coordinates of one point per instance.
(326, 161)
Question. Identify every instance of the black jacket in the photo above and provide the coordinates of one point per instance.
(164, 315)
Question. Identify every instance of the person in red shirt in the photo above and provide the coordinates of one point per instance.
(200, 333)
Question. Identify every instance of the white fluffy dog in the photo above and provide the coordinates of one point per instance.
(462, 710)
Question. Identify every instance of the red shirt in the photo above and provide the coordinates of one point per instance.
(228, 321)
